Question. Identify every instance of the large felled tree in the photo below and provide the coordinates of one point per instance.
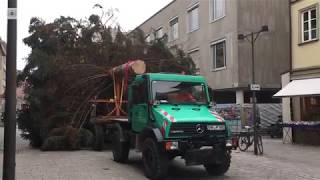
(67, 67)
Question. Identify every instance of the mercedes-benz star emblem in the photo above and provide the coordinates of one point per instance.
(199, 129)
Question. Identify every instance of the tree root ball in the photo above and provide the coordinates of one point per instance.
(68, 138)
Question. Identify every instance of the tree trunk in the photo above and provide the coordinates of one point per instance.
(129, 69)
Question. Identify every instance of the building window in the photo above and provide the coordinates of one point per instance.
(174, 29)
(219, 54)
(309, 24)
(193, 18)
(159, 33)
(194, 54)
(218, 9)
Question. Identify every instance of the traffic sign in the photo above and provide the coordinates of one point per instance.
(255, 87)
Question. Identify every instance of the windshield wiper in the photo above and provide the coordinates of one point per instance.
(193, 103)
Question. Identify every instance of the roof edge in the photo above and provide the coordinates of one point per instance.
(155, 14)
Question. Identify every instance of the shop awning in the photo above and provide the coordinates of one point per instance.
(303, 87)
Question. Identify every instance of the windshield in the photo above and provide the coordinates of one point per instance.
(179, 92)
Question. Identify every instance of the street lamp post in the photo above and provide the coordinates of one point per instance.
(9, 153)
(251, 38)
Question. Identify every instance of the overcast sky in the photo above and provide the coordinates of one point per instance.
(131, 14)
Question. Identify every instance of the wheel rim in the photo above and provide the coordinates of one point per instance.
(260, 145)
(243, 143)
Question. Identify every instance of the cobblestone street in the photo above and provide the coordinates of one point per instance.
(281, 161)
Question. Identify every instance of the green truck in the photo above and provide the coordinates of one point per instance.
(169, 115)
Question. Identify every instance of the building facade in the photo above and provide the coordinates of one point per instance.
(302, 82)
(208, 31)
(3, 47)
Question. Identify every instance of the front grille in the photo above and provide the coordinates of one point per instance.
(190, 129)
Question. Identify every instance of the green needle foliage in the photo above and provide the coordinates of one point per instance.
(68, 66)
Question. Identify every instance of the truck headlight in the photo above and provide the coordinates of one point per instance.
(220, 127)
(172, 145)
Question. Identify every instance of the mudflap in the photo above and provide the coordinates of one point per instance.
(204, 156)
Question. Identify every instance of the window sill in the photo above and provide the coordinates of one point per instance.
(193, 30)
(218, 69)
(308, 42)
(217, 19)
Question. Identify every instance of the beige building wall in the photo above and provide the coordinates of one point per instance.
(272, 48)
(304, 55)
(305, 65)
(198, 43)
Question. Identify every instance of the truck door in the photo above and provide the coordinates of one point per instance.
(139, 108)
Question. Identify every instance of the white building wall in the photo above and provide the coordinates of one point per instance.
(286, 110)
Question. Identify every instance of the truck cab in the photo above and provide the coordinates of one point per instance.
(169, 115)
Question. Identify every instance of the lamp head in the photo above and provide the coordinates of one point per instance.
(264, 28)
(240, 36)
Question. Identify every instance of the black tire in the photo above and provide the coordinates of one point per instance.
(221, 168)
(120, 149)
(171, 157)
(98, 137)
(272, 136)
(243, 143)
(154, 159)
(260, 145)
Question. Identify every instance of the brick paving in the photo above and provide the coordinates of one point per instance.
(281, 161)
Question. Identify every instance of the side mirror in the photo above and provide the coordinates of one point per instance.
(211, 104)
(154, 102)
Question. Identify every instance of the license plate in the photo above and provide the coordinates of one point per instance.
(216, 127)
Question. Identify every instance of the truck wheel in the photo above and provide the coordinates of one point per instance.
(171, 157)
(154, 159)
(221, 168)
(120, 150)
(98, 138)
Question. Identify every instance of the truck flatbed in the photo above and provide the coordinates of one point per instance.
(108, 119)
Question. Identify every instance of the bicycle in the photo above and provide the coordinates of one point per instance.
(246, 140)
